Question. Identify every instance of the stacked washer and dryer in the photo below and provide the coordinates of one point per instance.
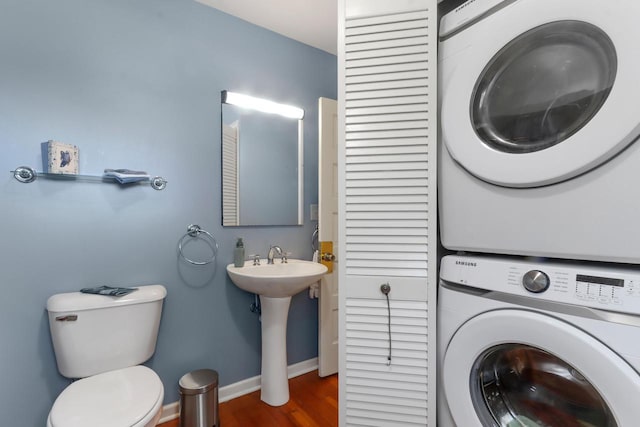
(539, 315)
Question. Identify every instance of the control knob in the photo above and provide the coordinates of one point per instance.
(535, 281)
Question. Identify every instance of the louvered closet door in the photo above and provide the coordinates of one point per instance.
(387, 78)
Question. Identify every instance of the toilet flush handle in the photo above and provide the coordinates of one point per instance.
(67, 318)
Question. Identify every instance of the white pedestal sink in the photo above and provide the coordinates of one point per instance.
(276, 284)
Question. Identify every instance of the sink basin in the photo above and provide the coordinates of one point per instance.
(276, 280)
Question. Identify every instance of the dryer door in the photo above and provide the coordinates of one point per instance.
(515, 367)
(529, 99)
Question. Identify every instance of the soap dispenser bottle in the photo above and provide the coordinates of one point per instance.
(238, 253)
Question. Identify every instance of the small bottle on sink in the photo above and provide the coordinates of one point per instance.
(238, 253)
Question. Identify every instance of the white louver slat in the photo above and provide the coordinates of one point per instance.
(387, 172)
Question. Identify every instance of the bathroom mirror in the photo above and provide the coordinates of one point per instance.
(262, 162)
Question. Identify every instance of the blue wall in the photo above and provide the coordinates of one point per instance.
(136, 84)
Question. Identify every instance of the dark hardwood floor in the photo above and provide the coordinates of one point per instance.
(313, 403)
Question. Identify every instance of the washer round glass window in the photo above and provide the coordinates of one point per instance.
(520, 385)
(543, 86)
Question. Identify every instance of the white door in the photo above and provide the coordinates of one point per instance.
(517, 367)
(328, 233)
(549, 96)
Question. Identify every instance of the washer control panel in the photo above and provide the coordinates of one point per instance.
(605, 290)
(614, 288)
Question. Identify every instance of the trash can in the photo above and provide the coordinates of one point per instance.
(199, 399)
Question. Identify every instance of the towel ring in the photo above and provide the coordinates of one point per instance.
(194, 230)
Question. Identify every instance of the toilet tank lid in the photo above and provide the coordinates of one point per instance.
(76, 301)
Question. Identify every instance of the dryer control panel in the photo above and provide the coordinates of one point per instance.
(613, 289)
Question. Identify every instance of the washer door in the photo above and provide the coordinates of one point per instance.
(543, 98)
(520, 368)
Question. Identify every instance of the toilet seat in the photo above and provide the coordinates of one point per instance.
(128, 397)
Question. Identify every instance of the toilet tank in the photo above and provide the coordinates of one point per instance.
(92, 334)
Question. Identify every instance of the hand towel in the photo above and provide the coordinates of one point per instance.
(126, 176)
(108, 290)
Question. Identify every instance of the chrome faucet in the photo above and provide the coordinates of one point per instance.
(273, 249)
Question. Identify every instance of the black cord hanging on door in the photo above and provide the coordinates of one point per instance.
(385, 289)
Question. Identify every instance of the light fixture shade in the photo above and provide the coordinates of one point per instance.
(261, 104)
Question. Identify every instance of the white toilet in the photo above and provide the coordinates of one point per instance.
(102, 340)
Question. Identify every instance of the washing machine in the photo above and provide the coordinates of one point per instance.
(539, 115)
(536, 343)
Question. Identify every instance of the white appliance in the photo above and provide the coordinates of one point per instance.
(528, 343)
(540, 111)
(103, 340)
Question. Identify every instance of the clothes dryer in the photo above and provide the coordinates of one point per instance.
(533, 343)
(539, 114)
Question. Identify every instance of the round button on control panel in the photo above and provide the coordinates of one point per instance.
(535, 281)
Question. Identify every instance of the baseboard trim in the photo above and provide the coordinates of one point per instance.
(171, 411)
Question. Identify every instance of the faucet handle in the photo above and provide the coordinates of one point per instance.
(256, 259)
(285, 256)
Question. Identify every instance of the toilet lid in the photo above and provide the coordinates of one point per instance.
(113, 399)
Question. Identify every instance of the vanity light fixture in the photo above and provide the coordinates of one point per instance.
(261, 104)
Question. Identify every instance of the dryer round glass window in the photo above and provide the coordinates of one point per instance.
(515, 384)
(543, 86)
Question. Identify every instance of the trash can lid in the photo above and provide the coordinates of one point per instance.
(198, 382)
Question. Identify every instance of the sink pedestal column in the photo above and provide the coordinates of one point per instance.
(275, 379)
